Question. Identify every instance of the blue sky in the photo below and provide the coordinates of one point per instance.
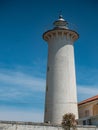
(23, 53)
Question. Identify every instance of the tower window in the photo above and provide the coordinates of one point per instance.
(45, 109)
(47, 88)
(48, 68)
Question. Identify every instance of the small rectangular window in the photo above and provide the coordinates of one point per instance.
(47, 68)
(47, 88)
(45, 109)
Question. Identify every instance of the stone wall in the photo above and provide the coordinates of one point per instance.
(7, 125)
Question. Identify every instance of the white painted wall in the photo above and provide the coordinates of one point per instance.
(61, 94)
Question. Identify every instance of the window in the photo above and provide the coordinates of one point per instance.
(47, 68)
(84, 122)
(95, 110)
(47, 88)
(86, 112)
(89, 122)
(45, 109)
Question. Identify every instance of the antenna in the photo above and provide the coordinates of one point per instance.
(60, 14)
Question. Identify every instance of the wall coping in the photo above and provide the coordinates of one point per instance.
(42, 124)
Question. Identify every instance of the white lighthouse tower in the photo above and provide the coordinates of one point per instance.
(61, 97)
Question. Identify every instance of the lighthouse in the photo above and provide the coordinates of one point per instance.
(61, 95)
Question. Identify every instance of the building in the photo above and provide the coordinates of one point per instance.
(61, 95)
(88, 111)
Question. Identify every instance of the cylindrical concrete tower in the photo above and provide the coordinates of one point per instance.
(61, 97)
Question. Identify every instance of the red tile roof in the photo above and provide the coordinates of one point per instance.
(88, 100)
